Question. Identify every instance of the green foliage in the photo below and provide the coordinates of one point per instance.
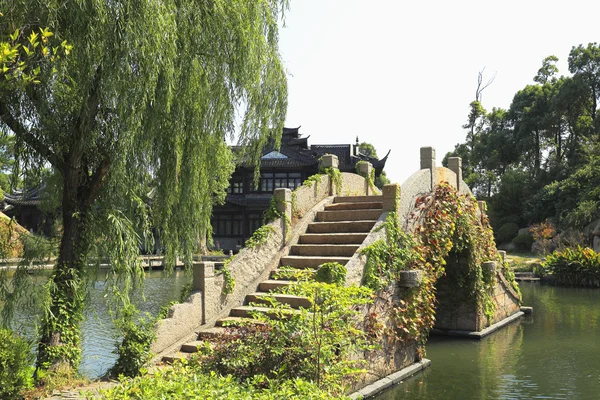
(260, 236)
(187, 381)
(507, 232)
(98, 119)
(272, 213)
(370, 177)
(133, 350)
(523, 242)
(24, 52)
(312, 180)
(539, 159)
(62, 315)
(387, 257)
(574, 266)
(449, 221)
(335, 177)
(295, 274)
(229, 281)
(186, 291)
(16, 365)
(312, 344)
(332, 272)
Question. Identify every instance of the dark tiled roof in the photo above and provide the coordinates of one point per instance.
(23, 198)
(300, 154)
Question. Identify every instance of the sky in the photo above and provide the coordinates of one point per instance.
(401, 74)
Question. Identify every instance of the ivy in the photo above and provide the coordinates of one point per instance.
(332, 272)
(336, 177)
(260, 236)
(273, 214)
(370, 177)
(387, 257)
(448, 225)
(312, 180)
(229, 281)
(449, 221)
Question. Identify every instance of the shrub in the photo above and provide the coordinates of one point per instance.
(186, 381)
(332, 272)
(16, 365)
(523, 242)
(578, 266)
(507, 232)
(134, 349)
(313, 344)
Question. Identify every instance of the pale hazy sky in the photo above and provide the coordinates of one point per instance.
(401, 75)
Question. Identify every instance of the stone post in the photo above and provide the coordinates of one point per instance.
(330, 161)
(489, 267)
(428, 162)
(455, 165)
(482, 207)
(283, 202)
(203, 277)
(364, 170)
(391, 194)
(502, 256)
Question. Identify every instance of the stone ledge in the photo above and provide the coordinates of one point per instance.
(390, 380)
(480, 334)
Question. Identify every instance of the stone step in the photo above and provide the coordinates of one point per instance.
(348, 215)
(525, 274)
(179, 356)
(354, 206)
(249, 311)
(271, 284)
(345, 250)
(289, 299)
(211, 333)
(311, 261)
(332, 238)
(236, 321)
(192, 347)
(357, 199)
(341, 227)
(287, 275)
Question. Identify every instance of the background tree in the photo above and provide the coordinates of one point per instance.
(538, 159)
(369, 150)
(144, 102)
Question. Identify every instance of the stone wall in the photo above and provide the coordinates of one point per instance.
(392, 354)
(177, 324)
(306, 196)
(248, 268)
(456, 311)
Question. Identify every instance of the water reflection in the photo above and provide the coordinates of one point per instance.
(552, 355)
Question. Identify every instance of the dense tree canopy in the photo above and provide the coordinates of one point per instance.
(539, 158)
(138, 112)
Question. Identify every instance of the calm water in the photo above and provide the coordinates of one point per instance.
(99, 334)
(554, 354)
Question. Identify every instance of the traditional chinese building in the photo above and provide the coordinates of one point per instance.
(24, 207)
(287, 167)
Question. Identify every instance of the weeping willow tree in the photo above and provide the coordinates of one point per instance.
(137, 114)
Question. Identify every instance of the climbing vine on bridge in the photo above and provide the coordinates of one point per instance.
(446, 223)
(449, 221)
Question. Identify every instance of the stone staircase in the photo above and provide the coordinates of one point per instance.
(334, 236)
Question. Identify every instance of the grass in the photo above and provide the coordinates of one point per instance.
(523, 262)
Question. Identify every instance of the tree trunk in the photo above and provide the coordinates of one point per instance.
(60, 335)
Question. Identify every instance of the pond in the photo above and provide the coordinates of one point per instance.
(553, 354)
(98, 331)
